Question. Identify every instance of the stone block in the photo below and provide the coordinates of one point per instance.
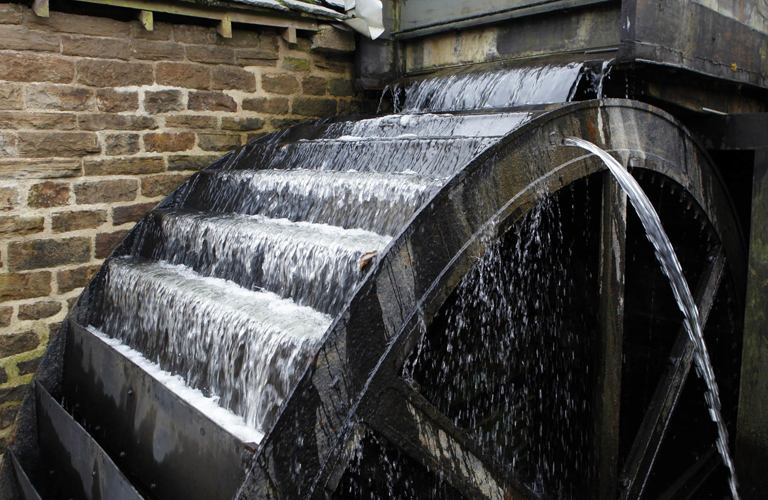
(18, 67)
(121, 144)
(22, 38)
(8, 414)
(135, 165)
(186, 75)
(16, 343)
(218, 142)
(37, 254)
(80, 219)
(108, 191)
(131, 213)
(330, 40)
(71, 279)
(162, 101)
(104, 121)
(271, 105)
(161, 185)
(48, 194)
(116, 101)
(314, 106)
(106, 242)
(211, 54)
(211, 101)
(37, 120)
(11, 95)
(280, 84)
(9, 198)
(341, 87)
(256, 57)
(81, 24)
(60, 97)
(187, 33)
(107, 73)
(15, 393)
(52, 144)
(6, 312)
(39, 310)
(11, 13)
(190, 162)
(295, 64)
(334, 63)
(14, 225)
(28, 366)
(18, 286)
(242, 123)
(227, 77)
(314, 85)
(163, 142)
(192, 121)
(156, 51)
(89, 46)
(161, 31)
(15, 169)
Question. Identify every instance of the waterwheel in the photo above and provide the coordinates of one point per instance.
(515, 340)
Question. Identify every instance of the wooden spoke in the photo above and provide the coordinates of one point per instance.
(656, 420)
(411, 423)
(692, 479)
(608, 388)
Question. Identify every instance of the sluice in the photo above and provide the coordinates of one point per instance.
(444, 302)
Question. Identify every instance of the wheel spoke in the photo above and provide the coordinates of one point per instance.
(656, 420)
(608, 387)
(414, 425)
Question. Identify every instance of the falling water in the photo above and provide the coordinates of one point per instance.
(672, 269)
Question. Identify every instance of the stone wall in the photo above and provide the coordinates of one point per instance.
(100, 119)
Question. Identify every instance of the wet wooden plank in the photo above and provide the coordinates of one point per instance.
(28, 491)
(648, 439)
(613, 238)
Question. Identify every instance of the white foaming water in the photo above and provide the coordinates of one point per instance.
(497, 89)
(670, 264)
(208, 406)
(246, 348)
(314, 264)
(380, 203)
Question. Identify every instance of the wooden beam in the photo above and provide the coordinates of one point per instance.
(234, 16)
(752, 422)
(147, 20)
(41, 8)
(289, 35)
(225, 28)
(613, 236)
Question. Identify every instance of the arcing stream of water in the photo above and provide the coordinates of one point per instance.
(670, 264)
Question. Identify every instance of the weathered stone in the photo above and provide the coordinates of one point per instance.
(33, 120)
(161, 185)
(16, 343)
(187, 75)
(116, 101)
(18, 226)
(281, 123)
(187, 33)
(295, 64)
(82, 219)
(11, 96)
(106, 242)
(88, 46)
(22, 38)
(8, 414)
(340, 87)
(8, 143)
(314, 85)
(11, 13)
(169, 141)
(156, 51)
(192, 121)
(162, 101)
(190, 162)
(256, 57)
(39, 169)
(135, 165)
(61, 97)
(212, 54)
(108, 191)
(6, 312)
(48, 194)
(36, 254)
(39, 310)
(7, 394)
(280, 84)
(35, 68)
(28, 366)
(314, 106)
(45, 144)
(218, 142)
(211, 101)
(328, 39)
(53, 329)
(272, 105)
(99, 121)
(105, 73)
(160, 31)
(9, 198)
(121, 144)
(74, 23)
(131, 213)
(242, 123)
(3, 376)
(262, 39)
(71, 279)
(17, 286)
(330, 62)
(226, 77)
